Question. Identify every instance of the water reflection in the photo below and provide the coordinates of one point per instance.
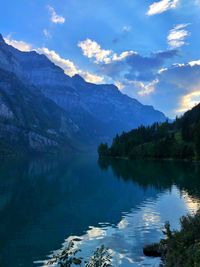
(135, 229)
(143, 223)
(118, 203)
(159, 174)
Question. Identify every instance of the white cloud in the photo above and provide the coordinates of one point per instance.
(180, 84)
(146, 88)
(67, 65)
(46, 33)
(55, 18)
(92, 78)
(192, 98)
(93, 50)
(188, 101)
(162, 70)
(119, 85)
(126, 28)
(190, 63)
(177, 36)
(22, 46)
(137, 88)
(194, 63)
(122, 56)
(161, 6)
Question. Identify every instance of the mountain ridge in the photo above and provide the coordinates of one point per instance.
(97, 111)
(29, 121)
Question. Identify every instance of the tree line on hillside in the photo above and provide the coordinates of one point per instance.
(179, 140)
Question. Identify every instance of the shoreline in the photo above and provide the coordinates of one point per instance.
(151, 159)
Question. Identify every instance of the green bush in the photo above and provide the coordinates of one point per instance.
(183, 247)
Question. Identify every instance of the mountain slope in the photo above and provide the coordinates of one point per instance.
(180, 140)
(97, 111)
(29, 121)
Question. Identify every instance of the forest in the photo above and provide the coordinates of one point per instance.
(179, 139)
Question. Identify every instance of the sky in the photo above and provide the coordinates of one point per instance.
(150, 49)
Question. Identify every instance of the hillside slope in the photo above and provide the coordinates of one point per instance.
(29, 121)
(180, 140)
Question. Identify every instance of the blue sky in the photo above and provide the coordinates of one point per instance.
(150, 49)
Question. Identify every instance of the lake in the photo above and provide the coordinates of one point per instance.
(119, 203)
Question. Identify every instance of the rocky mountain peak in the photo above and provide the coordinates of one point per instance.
(78, 78)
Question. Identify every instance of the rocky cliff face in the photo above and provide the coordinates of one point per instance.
(29, 121)
(85, 112)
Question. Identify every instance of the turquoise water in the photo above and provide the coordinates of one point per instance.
(122, 204)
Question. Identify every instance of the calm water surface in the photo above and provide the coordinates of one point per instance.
(121, 204)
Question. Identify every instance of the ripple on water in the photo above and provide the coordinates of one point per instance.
(140, 226)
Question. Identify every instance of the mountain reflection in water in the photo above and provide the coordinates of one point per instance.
(121, 204)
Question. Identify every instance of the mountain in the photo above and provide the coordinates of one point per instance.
(91, 113)
(178, 140)
(30, 121)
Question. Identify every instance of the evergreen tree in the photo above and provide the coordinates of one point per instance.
(197, 140)
(103, 150)
(180, 139)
